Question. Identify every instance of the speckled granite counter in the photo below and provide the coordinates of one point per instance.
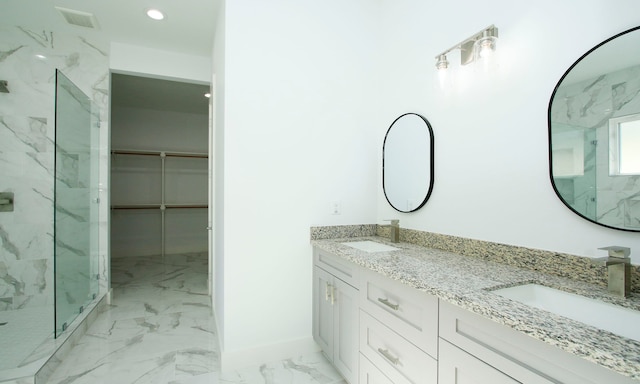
(467, 282)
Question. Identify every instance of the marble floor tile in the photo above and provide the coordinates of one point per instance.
(312, 369)
(160, 329)
(140, 301)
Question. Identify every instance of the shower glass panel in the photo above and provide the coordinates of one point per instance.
(574, 167)
(76, 205)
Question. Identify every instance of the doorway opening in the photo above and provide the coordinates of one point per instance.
(159, 184)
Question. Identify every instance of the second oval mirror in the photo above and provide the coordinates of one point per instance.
(407, 162)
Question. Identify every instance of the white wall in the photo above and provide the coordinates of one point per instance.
(491, 158)
(133, 59)
(155, 130)
(217, 189)
(300, 88)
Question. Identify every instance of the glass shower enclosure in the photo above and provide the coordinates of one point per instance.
(75, 201)
(574, 170)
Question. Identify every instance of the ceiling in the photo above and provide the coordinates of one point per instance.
(188, 28)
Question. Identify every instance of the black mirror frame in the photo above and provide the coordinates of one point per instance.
(431, 167)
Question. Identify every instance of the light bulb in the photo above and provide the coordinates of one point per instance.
(155, 14)
(442, 63)
(485, 46)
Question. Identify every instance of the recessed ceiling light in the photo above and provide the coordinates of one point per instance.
(40, 56)
(155, 14)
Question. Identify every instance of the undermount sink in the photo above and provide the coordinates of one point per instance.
(619, 320)
(370, 246)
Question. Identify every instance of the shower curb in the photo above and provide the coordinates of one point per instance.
(72, 335)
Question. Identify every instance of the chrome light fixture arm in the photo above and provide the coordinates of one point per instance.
(486, 37)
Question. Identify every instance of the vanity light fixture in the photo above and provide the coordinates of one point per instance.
(471, 49)
(155, 14)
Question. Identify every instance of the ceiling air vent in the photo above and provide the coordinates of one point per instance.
(79, 18)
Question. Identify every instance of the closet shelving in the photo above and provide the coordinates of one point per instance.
(162, 205)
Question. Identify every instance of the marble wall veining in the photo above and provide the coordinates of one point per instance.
(28, 62)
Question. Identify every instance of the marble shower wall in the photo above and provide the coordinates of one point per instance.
(27, 131)
(586, 107)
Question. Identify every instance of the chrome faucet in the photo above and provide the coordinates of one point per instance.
(394, 236)
(618, 265)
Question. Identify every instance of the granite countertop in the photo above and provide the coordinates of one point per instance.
(467, 282)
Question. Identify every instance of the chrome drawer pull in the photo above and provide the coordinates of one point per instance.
(330, 293)
(386, 302)
(333, 294)
(388, 356)
(327, 292)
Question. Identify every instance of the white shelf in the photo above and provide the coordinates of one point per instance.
(158, 153)
(158, 206)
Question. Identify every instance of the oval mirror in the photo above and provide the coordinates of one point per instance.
(594, 134)
(407, 162)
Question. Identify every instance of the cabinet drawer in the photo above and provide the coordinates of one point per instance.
(397, 358)
(411, 313)
(455, 366)
(370, 374)
(342, 269)
(516, 354)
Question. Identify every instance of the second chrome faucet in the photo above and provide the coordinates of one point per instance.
(618, 265)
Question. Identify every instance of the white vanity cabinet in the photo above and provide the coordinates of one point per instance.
(489, 349)
(398, 330)
(376, 330)
(335, 312)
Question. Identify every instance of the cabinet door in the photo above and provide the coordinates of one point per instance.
(345, 351)
(458, 367)
(323, 311)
